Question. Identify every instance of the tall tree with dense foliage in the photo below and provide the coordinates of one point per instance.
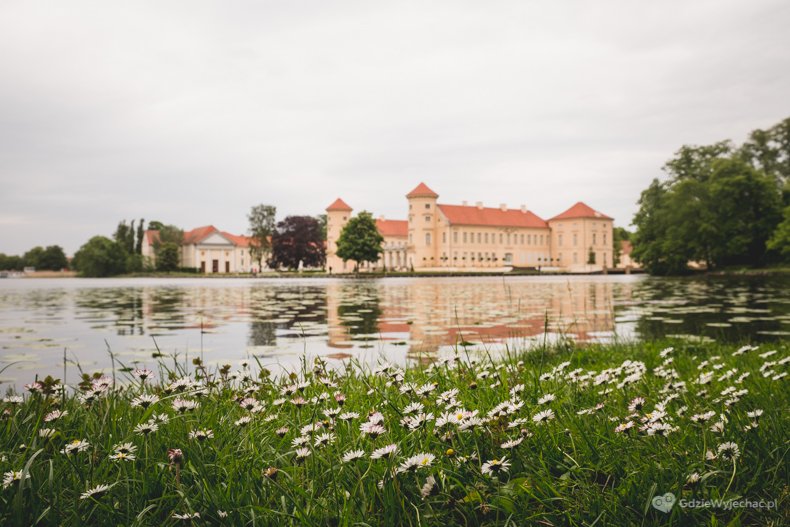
(769, 151)
(100, 256)
(167, 245)
(721, 205)
(53, 259)
(619, 235)
(262, 226)
(11, 262)
(32, 258)
(298, 239)
(360, 240)
(168, 257)
(138, 248)
(650, 240)
(780, 240)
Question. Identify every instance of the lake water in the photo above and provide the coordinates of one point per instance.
(405, 320)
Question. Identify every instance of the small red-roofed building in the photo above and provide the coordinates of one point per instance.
(209, 250)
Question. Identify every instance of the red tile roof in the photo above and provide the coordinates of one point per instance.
(468, 215)
(339, 204)
(397, 228)
(422, 191)
(238, 240)
(195, 236)
(198, 234)
(581, 210)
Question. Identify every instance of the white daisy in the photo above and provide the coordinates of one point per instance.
(416, 462)
(512, 443)
(729, 451)
(201, 435)
(95, 492)
(387, 451)
(145, 400)
(78, 445)
(544, 416)
(11, 476)
(352, 455)
(495, 466)
(429, 487)
(146, 428)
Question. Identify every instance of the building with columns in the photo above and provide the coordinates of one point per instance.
(207, 249)
(467, 237)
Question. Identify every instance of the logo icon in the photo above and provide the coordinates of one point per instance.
(664, 503)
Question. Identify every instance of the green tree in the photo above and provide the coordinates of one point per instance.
(769, 151)
(53, 258)
(100, 256)
(140, 235)
(694, 162)
(651, 244)
(619, 235)
(322, 218)
(721, 204)
(746, 208)
(780, 240)
(360, 240)
(168, 257)
(167, 234)
(261, 218)
(124, 235)
(9, 262)
(32, 258)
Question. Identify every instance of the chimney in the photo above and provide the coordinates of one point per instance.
(381, 217)
(503, 207)
(479, 205)
(524, 209)
(465, 203)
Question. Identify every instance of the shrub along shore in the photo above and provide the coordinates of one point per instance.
(555, 435)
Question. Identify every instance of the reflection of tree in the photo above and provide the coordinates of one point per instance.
(697, 306)
(303, 304)
(125, 305)
(262, 333)
(365, 312)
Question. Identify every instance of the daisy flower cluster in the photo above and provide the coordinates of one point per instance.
(462, 440)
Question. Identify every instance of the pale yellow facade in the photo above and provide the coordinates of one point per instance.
(467, 238)
(209, 250)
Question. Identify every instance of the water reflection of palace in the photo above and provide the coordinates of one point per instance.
(430, 314)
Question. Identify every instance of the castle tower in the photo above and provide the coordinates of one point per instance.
(422, 248)
(337, 215)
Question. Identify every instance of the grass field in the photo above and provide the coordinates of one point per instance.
(557, 435)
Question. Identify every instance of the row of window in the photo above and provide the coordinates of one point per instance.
(576, 239)
(486, 237)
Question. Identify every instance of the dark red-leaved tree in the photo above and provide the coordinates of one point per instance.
(297, 239)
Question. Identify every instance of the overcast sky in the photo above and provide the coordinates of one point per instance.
(191, 112)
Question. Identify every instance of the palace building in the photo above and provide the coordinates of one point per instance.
(465, 237)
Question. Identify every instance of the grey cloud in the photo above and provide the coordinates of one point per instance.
(191, 112)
